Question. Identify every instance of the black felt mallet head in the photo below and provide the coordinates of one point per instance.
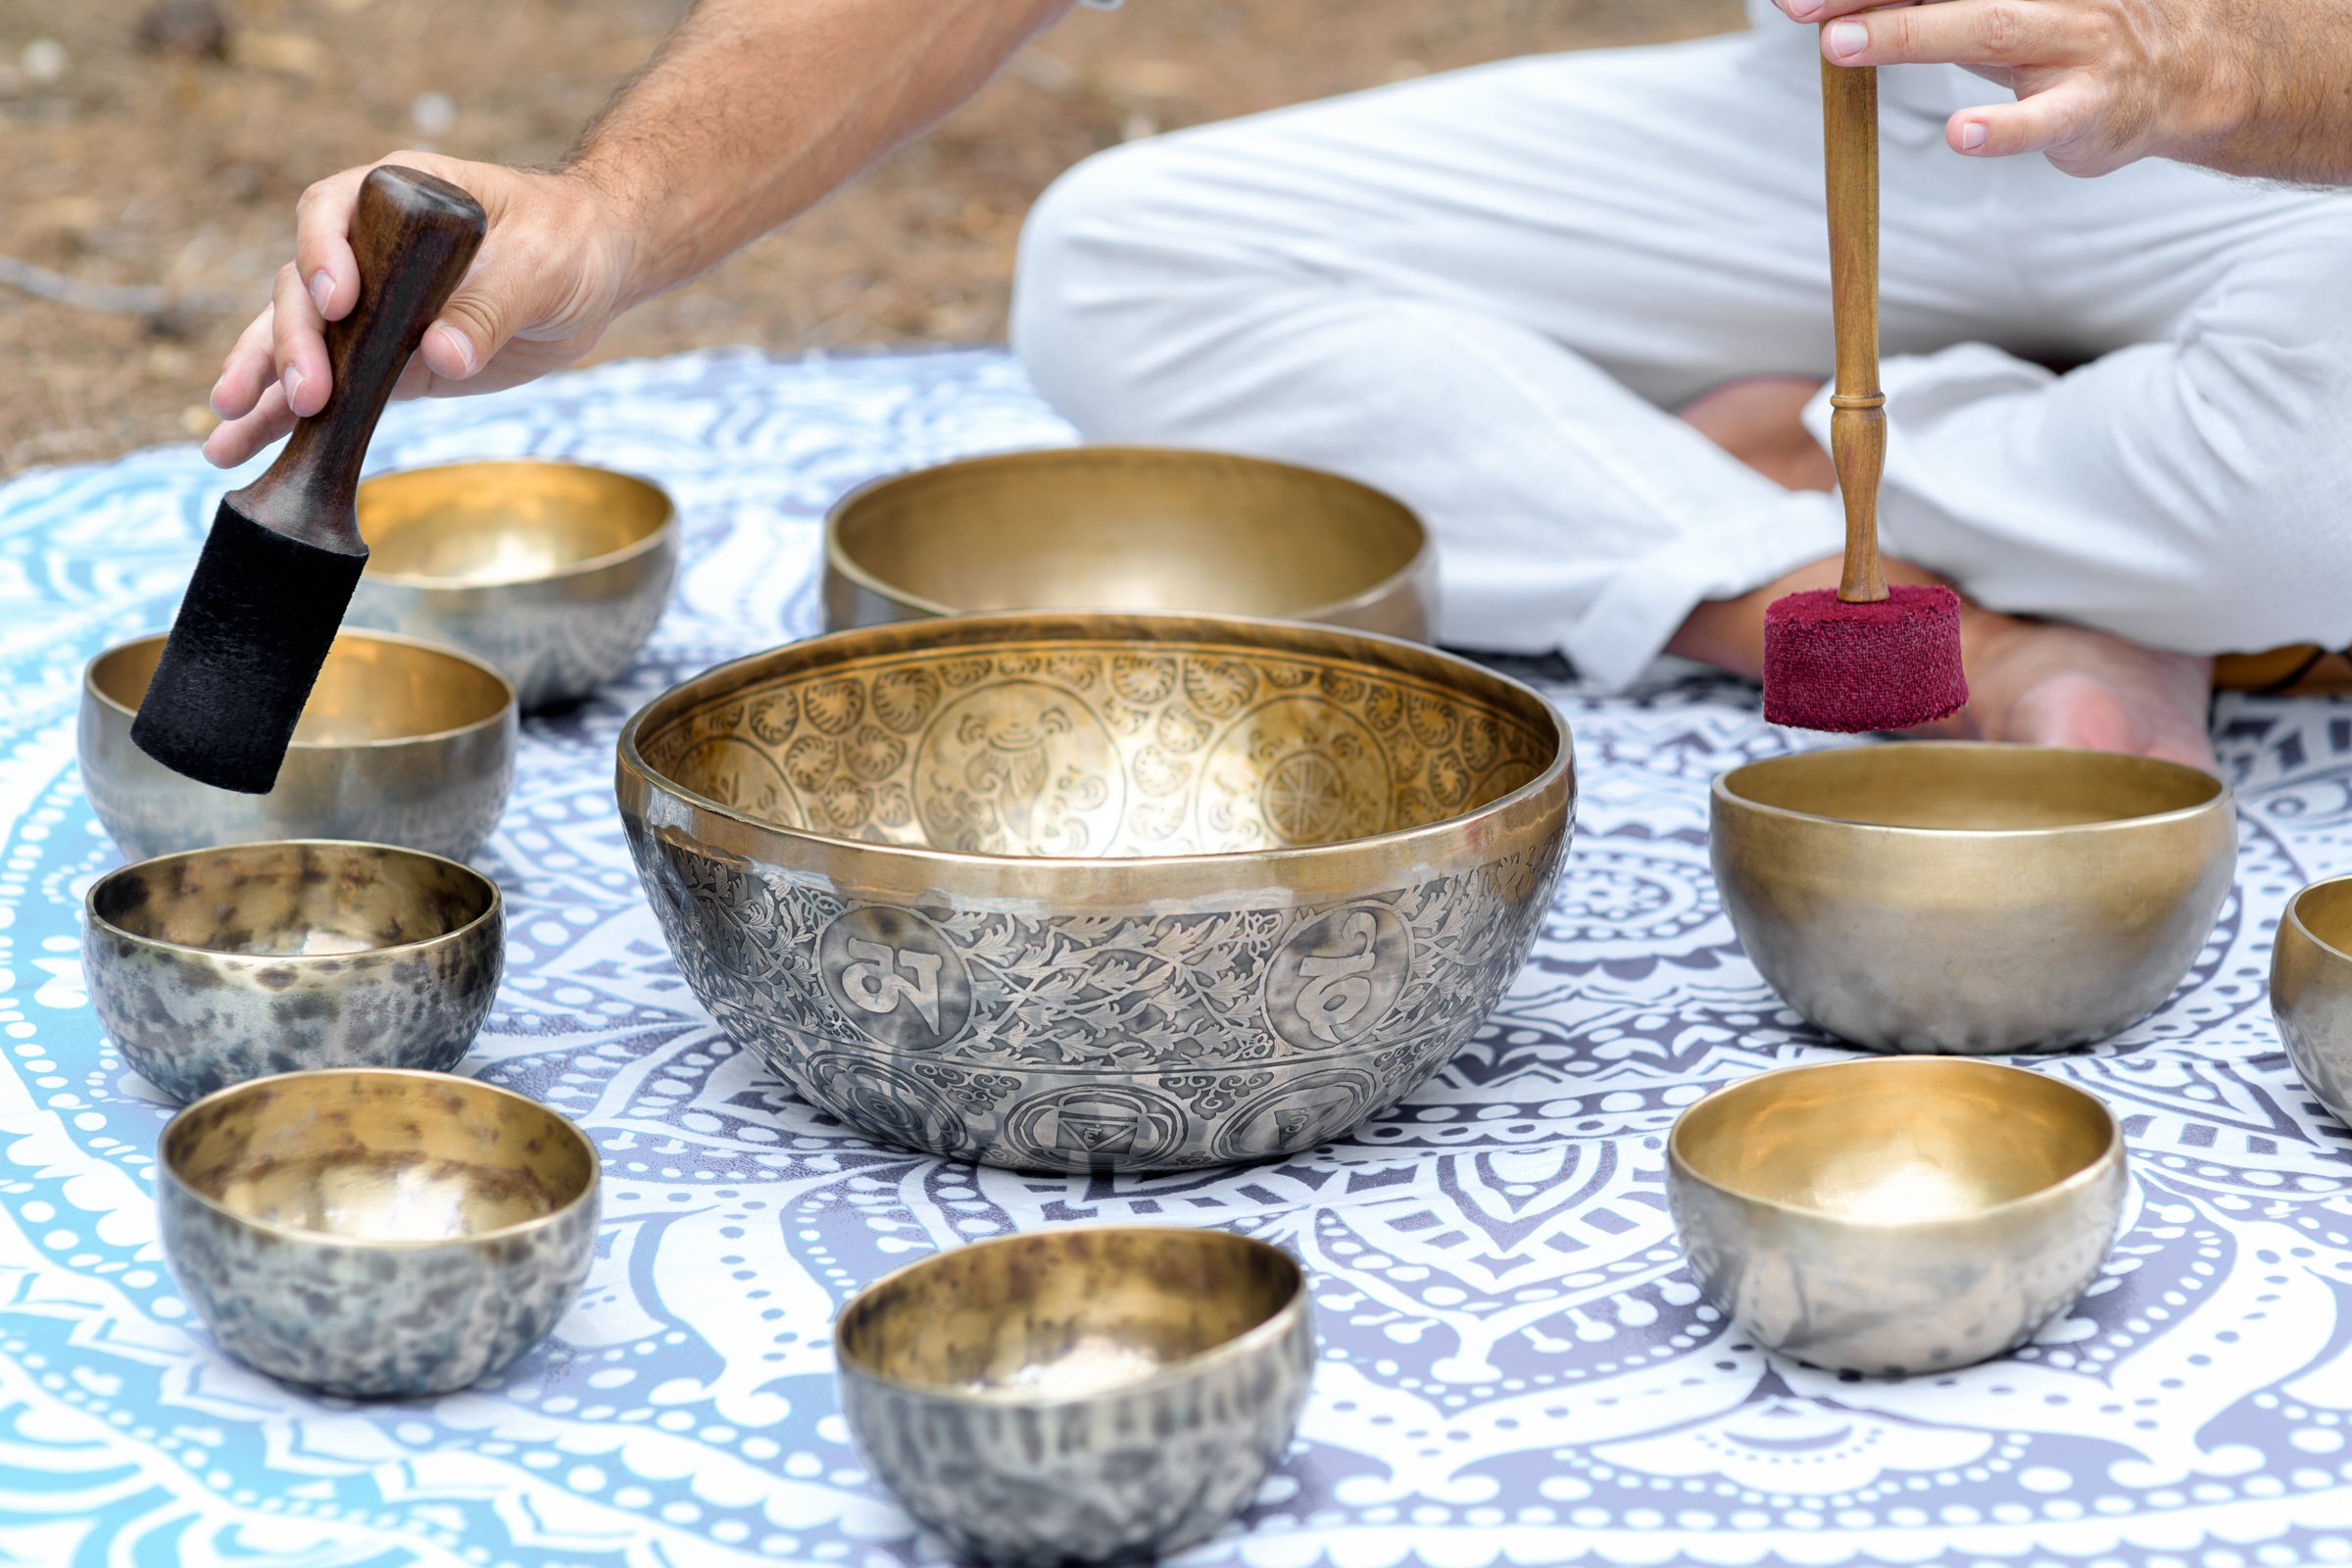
(1859, 657)
(284, 553)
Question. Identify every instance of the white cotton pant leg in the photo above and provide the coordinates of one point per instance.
(1486, 291)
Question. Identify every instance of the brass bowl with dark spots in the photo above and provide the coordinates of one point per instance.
(377, 1233)
(1084, 1395)
(218, 965)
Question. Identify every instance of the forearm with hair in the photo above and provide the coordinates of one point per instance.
(753, 111)
(2282, 91)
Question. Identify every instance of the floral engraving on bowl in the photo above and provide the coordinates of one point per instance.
(1092, 1042)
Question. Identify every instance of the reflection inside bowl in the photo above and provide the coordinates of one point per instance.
(1065, 1316)
(1903, 1141)
(292, 900)
(1980, 788)
(371, 689)
(1074, 747)
(378, 1156)
(478, 525)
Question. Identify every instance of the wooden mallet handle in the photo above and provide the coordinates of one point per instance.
(1849, 122)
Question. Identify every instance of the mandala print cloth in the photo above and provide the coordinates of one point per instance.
(1517, 1367)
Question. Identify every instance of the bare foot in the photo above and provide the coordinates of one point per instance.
(2038, 682)
(1756, 419)
(2044, 683)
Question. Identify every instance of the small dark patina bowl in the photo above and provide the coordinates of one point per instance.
(218, 965)
(377, 1233)
(1080, 1395)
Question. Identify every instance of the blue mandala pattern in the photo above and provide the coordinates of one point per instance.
(1517, 1367)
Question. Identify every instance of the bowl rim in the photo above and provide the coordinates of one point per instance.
(508, 713)
(975, 631)
(1276, 1325)
(2093, 1170)
(838, 561)
(169, 1169)
(2294, 916)
(491, 913)
(661, 532)
(2224, 799)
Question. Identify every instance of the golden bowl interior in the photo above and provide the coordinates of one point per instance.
(1906, 1140)
(1062, 1315)
(1971, 788)
(381, 1156)
(283, 900)
(483, 524)
(1124, 529)
(2325, 912)
(373, 689)
(1030, 743)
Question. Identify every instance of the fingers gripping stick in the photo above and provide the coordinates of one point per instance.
(284, 553)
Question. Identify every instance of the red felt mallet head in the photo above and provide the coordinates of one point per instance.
(1859, 657)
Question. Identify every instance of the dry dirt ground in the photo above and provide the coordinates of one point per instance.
(151, 180)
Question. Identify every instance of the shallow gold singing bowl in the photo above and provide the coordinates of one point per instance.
(1136, 528)
(401, 743)
(1078, 1395)
(1097, 891)
(2310, 990)
(1972, 899)
(1897, 1214)
(554, 572)
(368, 1231)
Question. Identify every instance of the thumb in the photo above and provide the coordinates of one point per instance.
(471, 327)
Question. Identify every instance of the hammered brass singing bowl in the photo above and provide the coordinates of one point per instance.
(1127, 528)
(1972, 899)
(377, 1233)
(1100, 891)
(1093, 1394)
(554, 572)
(1896, 1214)
(2311, 991)
(234, 962)
(401, 742)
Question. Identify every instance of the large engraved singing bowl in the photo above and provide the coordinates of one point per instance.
(1127, 528)
(1896, 1214)
(554, 572)
(2311, 991)
(1090, 1394)
(1100, 891)
(401, 743)
(1971, 900)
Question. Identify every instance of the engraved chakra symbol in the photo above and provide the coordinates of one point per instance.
(1304, 798)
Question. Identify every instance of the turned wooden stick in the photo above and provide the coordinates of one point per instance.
(1849, 124)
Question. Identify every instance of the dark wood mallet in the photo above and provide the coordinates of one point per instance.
(285, 553)
(1858, 657)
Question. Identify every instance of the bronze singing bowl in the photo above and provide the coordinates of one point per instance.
(1896, 1214)
(377, 1233)
(1972, 899)
(1100, 891)
(554, 572)
(234, 962)
(1129, 528)
(1092, 1395)
(2311, 991)
(401, 743)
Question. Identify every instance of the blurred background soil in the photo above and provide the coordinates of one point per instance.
(151, 151)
